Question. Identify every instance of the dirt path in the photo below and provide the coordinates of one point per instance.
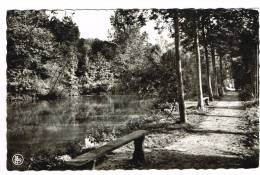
(218, 134)
(215, 143)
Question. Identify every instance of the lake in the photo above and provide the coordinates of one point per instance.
(44, 126)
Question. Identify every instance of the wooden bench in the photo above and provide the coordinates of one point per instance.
(93, 155)
(206, 100)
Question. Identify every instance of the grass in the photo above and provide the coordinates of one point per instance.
(251, 141)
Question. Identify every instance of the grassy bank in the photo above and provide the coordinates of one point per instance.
(251, 141)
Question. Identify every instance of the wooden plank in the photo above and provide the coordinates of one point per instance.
(101, 151)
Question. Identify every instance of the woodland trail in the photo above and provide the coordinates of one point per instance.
(214, 143)
(219, 134)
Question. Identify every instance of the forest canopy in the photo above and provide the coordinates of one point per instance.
(46, 58)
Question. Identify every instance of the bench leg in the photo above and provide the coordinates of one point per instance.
(138, 156)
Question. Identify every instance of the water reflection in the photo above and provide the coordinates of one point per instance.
(47, 124)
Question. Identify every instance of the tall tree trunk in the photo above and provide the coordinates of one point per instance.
(215, 88)
(199, 83)
(257, 64)
(257, 73)
(221, 90)
(179, 70)
(205, 44)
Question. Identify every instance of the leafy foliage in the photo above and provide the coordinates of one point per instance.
(45, 55)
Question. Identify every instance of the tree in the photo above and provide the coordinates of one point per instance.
(132, 54)
(67, 37)
(30, 46)
(198, 60)
(41, 59)
(82, 49)
(216, 93)
(233, 35)
(190, 28)
(221, 79)
(179, 68)
(172, 16)
(205, 44)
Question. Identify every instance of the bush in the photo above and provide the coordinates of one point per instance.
(246, 93)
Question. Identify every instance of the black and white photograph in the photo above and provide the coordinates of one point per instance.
(132, 89)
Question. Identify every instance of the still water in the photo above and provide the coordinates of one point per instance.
(48, 125)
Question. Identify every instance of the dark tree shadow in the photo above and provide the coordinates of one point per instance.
(227, 116)
(227, 107)
(203, 131)
(171, 159)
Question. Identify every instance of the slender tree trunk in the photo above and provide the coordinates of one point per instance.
(207, 64)
(257, 73)
(221, 92)
(199, 85)
(179, 70)
(216, 94)
(257, 64)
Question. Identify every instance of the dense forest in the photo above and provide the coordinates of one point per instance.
(47, 59)
(212, 53)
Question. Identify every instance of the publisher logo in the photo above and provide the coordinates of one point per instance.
(17, 159)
